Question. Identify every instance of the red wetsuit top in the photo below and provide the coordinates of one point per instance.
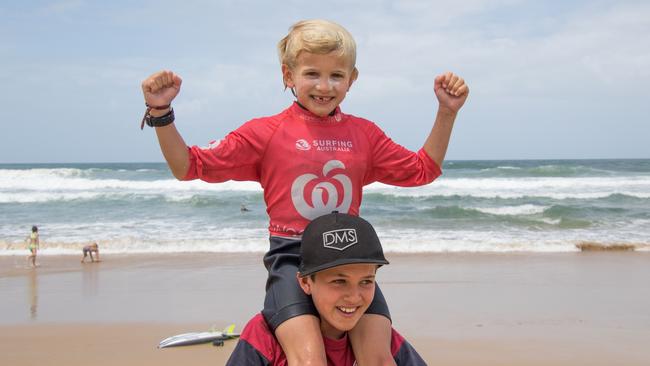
(258, 346)
(309, 166)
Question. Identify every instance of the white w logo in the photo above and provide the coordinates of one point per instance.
(319, 207)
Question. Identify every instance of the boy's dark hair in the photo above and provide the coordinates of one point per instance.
(34, 229)
(336, 239)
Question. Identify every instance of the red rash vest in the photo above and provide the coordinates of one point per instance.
(309, 166)
(257, 346)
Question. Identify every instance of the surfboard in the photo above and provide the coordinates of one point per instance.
(191, 338)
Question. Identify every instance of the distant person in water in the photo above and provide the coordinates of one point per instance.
(243, 208)
(32, 245)
(89, 250)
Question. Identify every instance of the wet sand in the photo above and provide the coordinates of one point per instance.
(456, 309)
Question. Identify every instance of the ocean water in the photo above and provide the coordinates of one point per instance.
(476, 206)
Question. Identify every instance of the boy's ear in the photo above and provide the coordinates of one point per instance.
(305, 283)
(287, 76)
(353, 77)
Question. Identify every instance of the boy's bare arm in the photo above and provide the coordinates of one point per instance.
(174, 150)
(451, 92)
(159, 90)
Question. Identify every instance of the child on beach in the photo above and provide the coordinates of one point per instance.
(88, 250)
(341, 282)
(311, 159)
(33, 245)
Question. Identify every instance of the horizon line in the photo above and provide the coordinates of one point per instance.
(446, 160)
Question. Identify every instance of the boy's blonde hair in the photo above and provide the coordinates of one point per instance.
(316, 36)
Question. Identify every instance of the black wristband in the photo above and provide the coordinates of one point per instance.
(161, 121)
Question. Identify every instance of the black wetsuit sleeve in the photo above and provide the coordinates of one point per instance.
(245, 354)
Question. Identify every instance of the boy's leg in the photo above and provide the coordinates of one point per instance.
(371, 337)
(288, 311)
(301, 340)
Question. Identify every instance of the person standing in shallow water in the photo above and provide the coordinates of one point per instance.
(33, 245)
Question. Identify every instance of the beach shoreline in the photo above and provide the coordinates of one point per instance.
(455, 308)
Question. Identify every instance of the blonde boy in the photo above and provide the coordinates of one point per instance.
(310, 159)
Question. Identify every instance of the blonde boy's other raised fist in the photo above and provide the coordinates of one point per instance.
(161, 88)
(451, 91)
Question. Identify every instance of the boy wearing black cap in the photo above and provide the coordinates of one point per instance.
(339, 259)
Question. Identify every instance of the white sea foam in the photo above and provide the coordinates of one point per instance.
(34, 197)
(145, 240)
(499, 242)
(146, 210)
(551, 221)
(41, 185)
(513, 210)
(50, 183)
(505, 167)
(556, 188)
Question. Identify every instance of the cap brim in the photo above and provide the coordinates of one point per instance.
(340, 262)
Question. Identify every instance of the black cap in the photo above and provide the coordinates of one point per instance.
(336, 239)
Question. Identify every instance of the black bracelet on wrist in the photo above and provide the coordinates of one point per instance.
(161, 121)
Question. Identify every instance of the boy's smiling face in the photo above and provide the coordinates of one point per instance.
(320, 81)
(341, 295)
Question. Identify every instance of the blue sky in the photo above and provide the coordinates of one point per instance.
(549, 79)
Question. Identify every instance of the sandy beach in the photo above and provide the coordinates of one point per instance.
(456, 309)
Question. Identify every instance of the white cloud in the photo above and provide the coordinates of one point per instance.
(580, 53)
(528, 55)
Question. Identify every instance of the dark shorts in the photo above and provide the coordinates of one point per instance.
(284, 297)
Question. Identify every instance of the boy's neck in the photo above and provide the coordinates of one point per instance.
(303, 107)
(330, 332)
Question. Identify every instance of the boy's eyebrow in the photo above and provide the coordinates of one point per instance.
(346, 276)
(314, 68)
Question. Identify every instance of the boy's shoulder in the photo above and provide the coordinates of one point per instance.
(403, 352)
(370, 128)
(258, 334)
(359, 120)
(272, 120)
(256, 345)
(262, 127)
(256, 325)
